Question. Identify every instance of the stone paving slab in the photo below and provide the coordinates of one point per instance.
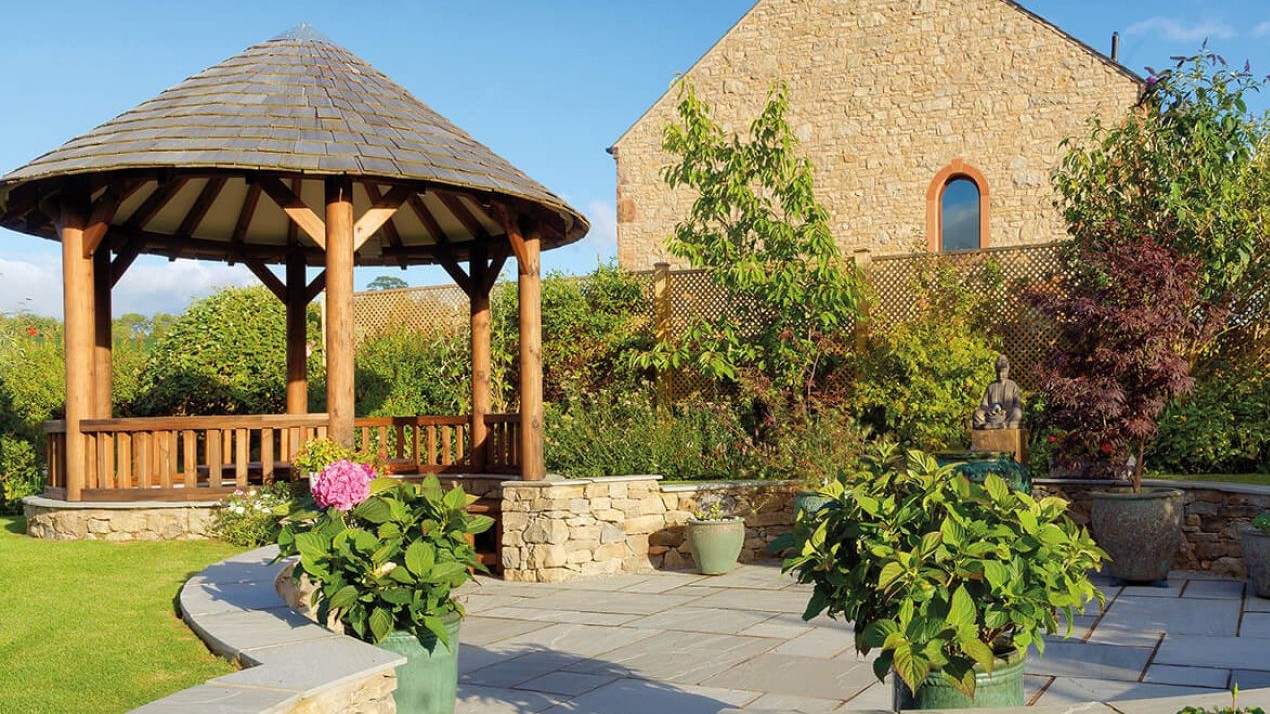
(738, 643)
(1256, 624)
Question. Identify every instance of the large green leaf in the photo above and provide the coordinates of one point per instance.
(962, 609)
(380, 623)
(420, 558)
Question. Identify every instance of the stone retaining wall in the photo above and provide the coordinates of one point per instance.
(140, 520)
(559, 530)
(1214, 514)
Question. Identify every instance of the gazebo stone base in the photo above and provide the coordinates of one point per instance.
(52, 519)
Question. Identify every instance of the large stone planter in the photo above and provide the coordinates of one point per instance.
(1002, 687)
(428, 682)
(1141, 532)
(1256, 548)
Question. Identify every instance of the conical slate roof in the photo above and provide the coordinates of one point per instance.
(301, 108)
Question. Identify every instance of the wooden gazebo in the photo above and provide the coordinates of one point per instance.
(294, 153)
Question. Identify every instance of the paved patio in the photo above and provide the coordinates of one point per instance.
(680, 643)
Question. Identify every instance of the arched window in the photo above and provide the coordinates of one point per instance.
(957, 209)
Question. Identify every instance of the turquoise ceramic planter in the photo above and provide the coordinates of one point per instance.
(428, 682)
(1256, 549)
(1002, 687)
(716, 545)
(809, 502)
(1141, 532)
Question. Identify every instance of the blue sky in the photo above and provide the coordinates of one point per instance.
(547, 84)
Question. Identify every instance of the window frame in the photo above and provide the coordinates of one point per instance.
(958, 169)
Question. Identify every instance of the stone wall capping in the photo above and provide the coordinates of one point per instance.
(688, 486)
(545, 483)
(291, 664)
(619, 479)
(1222, 486)
(43, 502)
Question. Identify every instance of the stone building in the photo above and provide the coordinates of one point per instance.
(933, 124)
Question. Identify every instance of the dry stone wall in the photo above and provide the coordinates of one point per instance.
(883, 96)
(1210, 527)
(554, 531)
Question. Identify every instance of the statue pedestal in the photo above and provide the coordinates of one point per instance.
(1011, 441)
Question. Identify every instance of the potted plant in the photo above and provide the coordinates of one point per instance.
(1127, 310)
(315, 455)
(950, 579)
(386, 556)
(715, 538)
(1255, 540)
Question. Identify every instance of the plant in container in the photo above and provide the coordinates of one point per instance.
(386, 556)
(715, 538)
(1234, 707)
(952, 580)
(1255, 540)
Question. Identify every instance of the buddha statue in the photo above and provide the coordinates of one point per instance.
(1001, 407)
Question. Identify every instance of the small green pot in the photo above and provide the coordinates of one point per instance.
(1141, 532)
(1002, 687)
(1256, 548)
(716, 545)
(809, 502)
(429, 680)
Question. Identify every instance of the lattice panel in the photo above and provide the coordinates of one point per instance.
(442, 307)
(1025, 335)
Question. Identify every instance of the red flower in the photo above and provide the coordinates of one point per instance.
(1051, 438)
(31, 331)
(1106, 447)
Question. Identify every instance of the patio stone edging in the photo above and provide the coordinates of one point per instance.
(291, 666)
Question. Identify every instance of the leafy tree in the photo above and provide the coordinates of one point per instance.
(1190, 165)
(1127, 310)
(759, 233)
(387, 282)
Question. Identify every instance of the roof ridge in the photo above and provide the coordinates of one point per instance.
(304, 32)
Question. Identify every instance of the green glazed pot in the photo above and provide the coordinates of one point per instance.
(1141, 532)
(716, 545)
(809, 502)
(1002, 687)
(428, 682)
(1256, 547)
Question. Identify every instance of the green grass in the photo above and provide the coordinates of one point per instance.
(91, 627)
(1255, 479)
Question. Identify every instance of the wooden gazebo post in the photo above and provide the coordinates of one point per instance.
(339, 309)
(77, 298)
(479, 301)
(297, 345)
(529, 283)
(103, 357)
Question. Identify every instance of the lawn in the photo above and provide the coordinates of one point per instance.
(91, 626)
(1255, 479)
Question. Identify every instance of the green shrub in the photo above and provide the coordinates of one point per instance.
(32, 375)
(1223, 427)
(591, 327)
(19, 473)
(918, 381)
(225, 355)
(404, 373)
(250, 519)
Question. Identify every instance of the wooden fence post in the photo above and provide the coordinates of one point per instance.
(661, 328)
(863, 259)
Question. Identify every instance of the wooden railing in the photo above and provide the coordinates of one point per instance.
(165, 457)
(438, 444)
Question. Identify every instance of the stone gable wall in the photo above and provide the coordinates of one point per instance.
(883, 96)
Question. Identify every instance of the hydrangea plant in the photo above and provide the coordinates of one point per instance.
(386, 554)
(939, 573)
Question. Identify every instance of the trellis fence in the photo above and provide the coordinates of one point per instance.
(679, 297)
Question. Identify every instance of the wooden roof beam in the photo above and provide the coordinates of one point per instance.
(103, 213)
(154, 203)
(296, 209)
(498, 258)
(380, 213)
(312, 289)
(246, 213)
(455, 205)
(266, 276)
(201, 205)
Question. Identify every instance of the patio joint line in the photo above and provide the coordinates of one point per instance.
(1182, 593)
(1101, 614)
(1150, 660)
(1032, 700)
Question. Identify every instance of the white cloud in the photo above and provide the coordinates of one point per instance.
(603, 235)
(1176, 30)
(149, 286)
(1262, 29)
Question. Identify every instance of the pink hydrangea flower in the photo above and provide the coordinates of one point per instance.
(343, 484)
